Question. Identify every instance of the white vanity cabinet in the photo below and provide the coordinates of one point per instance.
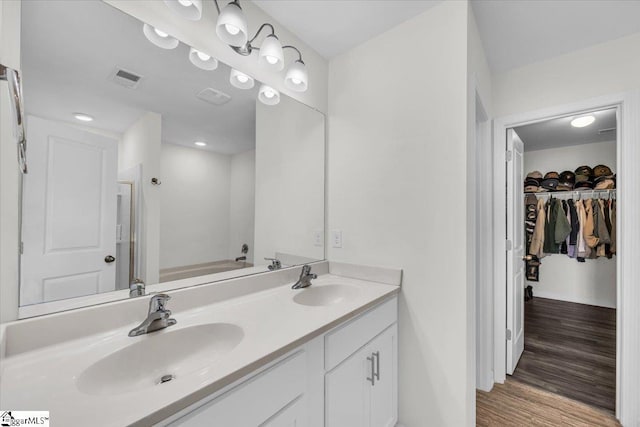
(346, 377)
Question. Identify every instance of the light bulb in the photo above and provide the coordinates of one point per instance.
(160, 33)
(231, 29)
(269, 93)
(203, 56)
(83, 117)
(583, 121)
(242, 78)
(185, 3)
(271, 59)
(295, 81)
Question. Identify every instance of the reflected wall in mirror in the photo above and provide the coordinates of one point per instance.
(148, 164)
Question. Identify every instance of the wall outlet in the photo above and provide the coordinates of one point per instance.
(336, 238)
(317, 237)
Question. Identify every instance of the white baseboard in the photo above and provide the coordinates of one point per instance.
(560, 297)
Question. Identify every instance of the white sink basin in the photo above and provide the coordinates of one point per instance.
(176, 353)
(325, 294)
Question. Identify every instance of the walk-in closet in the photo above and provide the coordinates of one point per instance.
(570, 230)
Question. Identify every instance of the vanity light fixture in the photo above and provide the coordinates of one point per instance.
(202, 60)
(159, 38)
(200, 144)
(231, 28)
(83, 117)
(188, 9)
(583, 121)
(240, 80)
(268, 95)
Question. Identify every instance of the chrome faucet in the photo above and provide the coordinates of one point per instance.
(158, 318)
(305, 278)
(136, 288)
(275, 263)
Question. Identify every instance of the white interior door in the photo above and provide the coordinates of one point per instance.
(515, 251)
(69, 213)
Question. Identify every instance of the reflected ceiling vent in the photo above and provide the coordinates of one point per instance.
(213, 96)
(601, 131)
(126, 78)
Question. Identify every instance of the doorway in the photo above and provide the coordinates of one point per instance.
(561, 271)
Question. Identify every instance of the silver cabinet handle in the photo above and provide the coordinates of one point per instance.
(376, 355)
(373, 371)
(15, 92)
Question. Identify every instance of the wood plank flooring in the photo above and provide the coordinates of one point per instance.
(517, 404)
(570, 349)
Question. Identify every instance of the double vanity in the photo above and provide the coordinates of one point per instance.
(249, 351)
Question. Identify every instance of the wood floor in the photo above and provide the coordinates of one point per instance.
(570, 349)
(517, 404)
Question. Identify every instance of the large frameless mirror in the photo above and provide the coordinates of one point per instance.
(150, 162)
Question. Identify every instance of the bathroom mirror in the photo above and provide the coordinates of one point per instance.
(147, 165)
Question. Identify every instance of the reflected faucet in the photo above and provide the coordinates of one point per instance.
(136, 288)
(305, 278)
(275, 263)
(158, 318)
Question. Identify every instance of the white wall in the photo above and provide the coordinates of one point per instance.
(9, 175)
(242, 204)
(140, 144)
(194, 206)
(563, 278)
(397, 189)
(290, 149)
(201, 35)
(599, 70)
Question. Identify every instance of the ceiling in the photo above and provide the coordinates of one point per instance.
(67, 63)
(334, 27)
(558, 132)
(517, 33)
(514, 33)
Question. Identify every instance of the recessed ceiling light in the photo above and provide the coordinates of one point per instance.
(583, 121)
(200, 144)
(83, 117)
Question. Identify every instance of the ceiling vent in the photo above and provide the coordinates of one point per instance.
(603, 131)
(126, 78)
(213, 96)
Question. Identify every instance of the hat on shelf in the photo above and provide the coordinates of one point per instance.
(531, 185)
(602, 170)
(537, 175)
(604, 183)
(550, 184)
(567, 180)
(583, 185)
(551, 175)
(584, 171)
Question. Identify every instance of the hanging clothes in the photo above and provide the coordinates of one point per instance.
(537, 240)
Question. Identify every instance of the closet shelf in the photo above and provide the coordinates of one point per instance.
(579, 194)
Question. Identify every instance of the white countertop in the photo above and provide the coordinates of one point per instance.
(46, 378)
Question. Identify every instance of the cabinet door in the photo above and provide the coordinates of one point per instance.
(347, 397)
(384, 403)
(291, 416)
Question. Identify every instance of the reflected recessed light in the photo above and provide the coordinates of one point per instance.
(200, 144)
(83, 117)
(583, 121)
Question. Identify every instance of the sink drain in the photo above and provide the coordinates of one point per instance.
(166, 378)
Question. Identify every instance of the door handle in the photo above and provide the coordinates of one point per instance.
(527, 258)
(373, 371)
(376, 355)
(109, 259)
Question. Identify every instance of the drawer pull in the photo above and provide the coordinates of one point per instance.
(372, 378)
(376, 355)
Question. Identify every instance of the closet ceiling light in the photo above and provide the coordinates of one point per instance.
(200, 144)
(202, 60)
(268, 95)
(240, 80)
(83, 117)
(583, 121)
(159, 38)
(188, 9)
(231, 28)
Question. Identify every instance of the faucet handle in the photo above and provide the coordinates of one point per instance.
(158, 302)
(306, 269)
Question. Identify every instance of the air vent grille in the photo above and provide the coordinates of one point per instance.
(213, 96)
(126, 78)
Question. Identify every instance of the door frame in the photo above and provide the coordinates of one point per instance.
(628, 293)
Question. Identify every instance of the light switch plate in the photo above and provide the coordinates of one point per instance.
(336, 238)
(317, 238)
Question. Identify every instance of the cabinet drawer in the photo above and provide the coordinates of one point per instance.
(255, 401)
(348, 338)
